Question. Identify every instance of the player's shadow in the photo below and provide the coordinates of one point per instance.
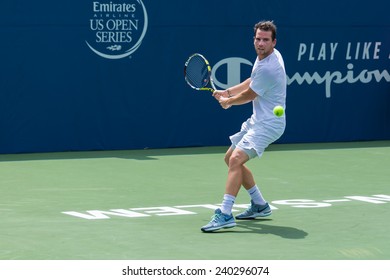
(260, 227)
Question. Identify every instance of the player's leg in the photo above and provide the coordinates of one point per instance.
(248, 181)
(235, 159)
(223, 217)
(259, 206)
(228, 154)
(247, 178)
(237, 172)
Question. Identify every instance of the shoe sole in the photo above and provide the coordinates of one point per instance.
(218, 228)
(254, 216)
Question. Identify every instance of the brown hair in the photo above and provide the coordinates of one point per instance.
(266, 26)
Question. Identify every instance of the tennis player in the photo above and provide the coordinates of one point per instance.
(266, 88)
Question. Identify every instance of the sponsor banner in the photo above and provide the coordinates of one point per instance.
(117, 29)
(99, 74)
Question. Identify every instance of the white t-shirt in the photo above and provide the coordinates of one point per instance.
(268, 80)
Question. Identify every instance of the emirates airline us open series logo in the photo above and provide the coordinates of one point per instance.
(117, 27)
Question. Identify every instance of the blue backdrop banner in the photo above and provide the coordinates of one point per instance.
(108, 74)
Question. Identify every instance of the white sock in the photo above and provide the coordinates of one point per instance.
(227, 204)
(256, 195)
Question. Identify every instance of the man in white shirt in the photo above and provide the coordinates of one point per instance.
(266, 88)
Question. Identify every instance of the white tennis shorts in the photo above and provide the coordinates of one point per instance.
(253, 138)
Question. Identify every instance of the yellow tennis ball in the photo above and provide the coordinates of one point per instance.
(278, 111)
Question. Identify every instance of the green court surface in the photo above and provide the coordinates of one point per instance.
(330, 201)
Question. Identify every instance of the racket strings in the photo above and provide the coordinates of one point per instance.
(197, 72)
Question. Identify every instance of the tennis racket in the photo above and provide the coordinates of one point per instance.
(197, 73)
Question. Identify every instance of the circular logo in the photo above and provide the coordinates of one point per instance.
(117, 28)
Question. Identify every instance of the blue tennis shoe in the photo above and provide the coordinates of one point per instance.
(219, 221)
(255, 210)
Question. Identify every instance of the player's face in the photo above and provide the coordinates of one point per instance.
(264, 45)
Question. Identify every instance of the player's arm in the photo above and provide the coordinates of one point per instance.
(241, 98)
(234, 90)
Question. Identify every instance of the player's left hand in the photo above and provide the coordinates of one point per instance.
(220, 93)
(223, 101)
